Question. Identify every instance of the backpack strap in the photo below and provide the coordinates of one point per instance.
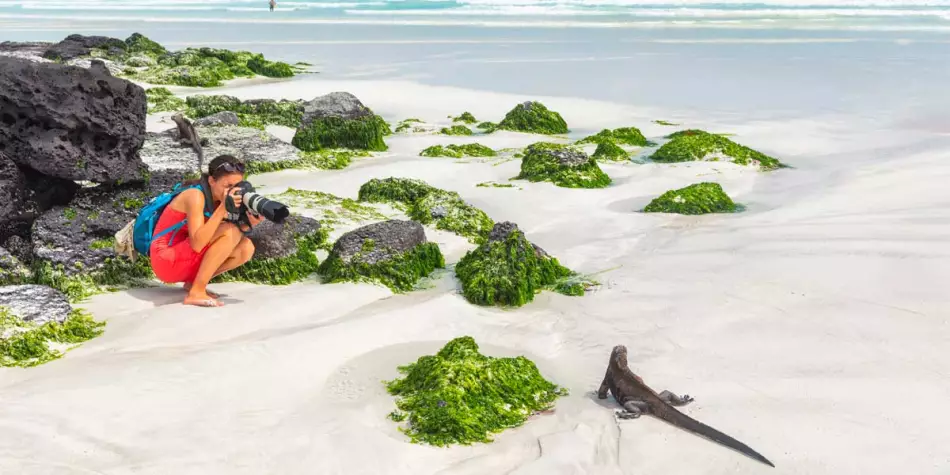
(177, 189)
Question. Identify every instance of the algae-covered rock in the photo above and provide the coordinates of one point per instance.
(428, 204)
(139, 43)
(488, 127)
(251, 113)
(456, 130)
(283, 253)
(196, 67)
(75, 46)
(700, 198)
(26, 342)
(624, 135)
(695, 145)
(340, 120)
(610, 151)
(160, 99)
(459, 396)
(563, 165)
(12, 271)
(508, 270)
(458, 151)
(534, 117)
(393, 253)
(465, 118)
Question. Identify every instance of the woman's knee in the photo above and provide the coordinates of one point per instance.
(245, 249)
(229, 233)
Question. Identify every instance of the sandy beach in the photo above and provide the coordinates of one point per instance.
(811, 326)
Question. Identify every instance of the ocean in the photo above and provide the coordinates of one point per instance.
(771, 58)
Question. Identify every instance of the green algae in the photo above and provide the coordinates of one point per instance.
(427, 204)
(534, 117)
(456, 130)
(363, 133)
(139, 43)
(160, 99)
(282, 270)
(115, 273)
(695, 145)
(488, 127)
(327, 159)
(400, 273)
(624, 135)
(540, 163)
(331, 210)
(407, 124)
(459, 396)
(250, 113)
(28, 344)
(610, 151)
(465, 117)
(271, 69)
(510, 272)
(102, 244)
(699, 198)
(491, 184)
(458, 151)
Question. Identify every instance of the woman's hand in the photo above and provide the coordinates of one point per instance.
(236, 198)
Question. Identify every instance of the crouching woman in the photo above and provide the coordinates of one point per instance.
(204, 246)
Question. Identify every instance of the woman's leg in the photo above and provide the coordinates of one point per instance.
(224, 242)
(238, 257)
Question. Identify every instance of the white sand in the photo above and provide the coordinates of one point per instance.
(813, 326)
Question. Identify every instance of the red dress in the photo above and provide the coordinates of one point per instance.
(177, 262)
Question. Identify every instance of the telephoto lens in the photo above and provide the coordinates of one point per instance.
(270, 209)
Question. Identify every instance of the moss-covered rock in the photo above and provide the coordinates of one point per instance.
(610, 151)
(459, 396)
(160, 99)
(465, 117)
(271, 69)
(393, 253)
(458, 151)
(252, 113)
(139, 43)
(507, 270)
(624, 135)
(284, 253)
(340, 120)
(534, 117)
(700, 198)
(488, 127)
(455, 130)
(563, 165)
(427, 204)
(695, 145)
(26, 344)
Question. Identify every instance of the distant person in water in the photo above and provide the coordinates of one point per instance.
(272, 5)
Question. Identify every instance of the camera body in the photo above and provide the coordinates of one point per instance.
(256, 203)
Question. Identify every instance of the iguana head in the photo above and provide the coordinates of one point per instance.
(619, 354)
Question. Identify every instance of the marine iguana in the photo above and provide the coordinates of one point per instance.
(187, 135)
(637, 398)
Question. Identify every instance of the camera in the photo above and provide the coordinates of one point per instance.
(270, 209)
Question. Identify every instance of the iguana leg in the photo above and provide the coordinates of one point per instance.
(633, 409)
(674, 400)
(602, 392)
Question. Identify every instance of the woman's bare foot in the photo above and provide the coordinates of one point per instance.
(202, 300)
(211, 294)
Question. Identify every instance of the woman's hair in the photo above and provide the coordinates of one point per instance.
(217, 170)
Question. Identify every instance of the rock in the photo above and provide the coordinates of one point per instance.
(563, 165)
(31, 51)
(162, 151)
(75, 46)
(389, 238)
(502, 230)
(342, 105)
(12, 193)
(340, 120)
(35, 303)
(99, 67)
(78, 236)
(20, 248)
(11, 269)
(71, 123)
(221, 118)
(533, 117)
(273, 240)
(439, 212)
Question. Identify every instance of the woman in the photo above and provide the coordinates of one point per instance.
(205, 246)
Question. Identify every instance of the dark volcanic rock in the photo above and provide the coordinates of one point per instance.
(71, 123)
(20, 247)
(12, 194)
(99, 67)
(11, 269)
(35, 303)
(502, 230)
(273, 240)
(221, 118)
(75, 236)
(335, 104)
(78, 45)
(389, 239)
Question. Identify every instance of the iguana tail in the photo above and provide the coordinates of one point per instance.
(671, 415)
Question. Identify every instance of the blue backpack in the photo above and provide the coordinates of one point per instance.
(143, 231)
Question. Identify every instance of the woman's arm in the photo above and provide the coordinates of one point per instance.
(200, 231)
